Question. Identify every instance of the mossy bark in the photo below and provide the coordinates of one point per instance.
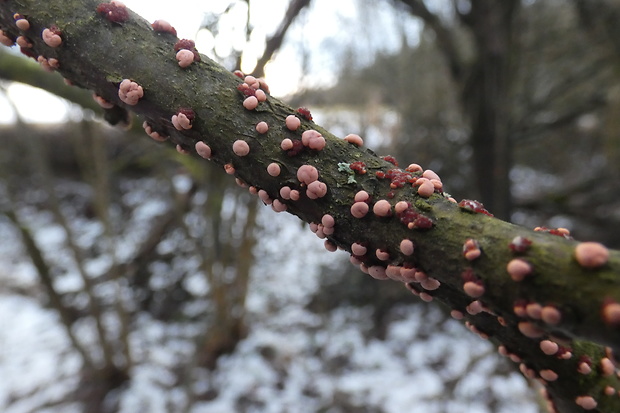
(98, 54)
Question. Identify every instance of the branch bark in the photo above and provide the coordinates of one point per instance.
(99, 54)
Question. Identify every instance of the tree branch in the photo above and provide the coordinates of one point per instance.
(562, 302)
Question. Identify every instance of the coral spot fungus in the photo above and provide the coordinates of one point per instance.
(292, 122)
(305, 113)
(519, 244)
(114, 11)
(473, 206)
(183, 119)
(241, 147)
(413, 219)
(354, 139)
(358, 167)
(518, 269)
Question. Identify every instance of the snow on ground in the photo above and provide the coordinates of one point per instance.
(293, 360)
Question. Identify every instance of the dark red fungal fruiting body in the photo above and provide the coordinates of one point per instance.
(413, 219)
(28, 52)
(239, 74)
(390, 159)
(468, 275)
(191, 115)
(298, 146)
(305, 112)
(188, 45)
(358, 167)
(474, 206)
(519, 244)
(114, 12)
(398, 178)
(54, 29)
(246, 90)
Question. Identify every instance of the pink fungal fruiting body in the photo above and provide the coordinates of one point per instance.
(203, 150)
(102, 102)
(471, 249)
(354, 139)
(114, 11)
(130, 92)
(313, 140)
(591, 254)
(241, 147)
(185, 57)
(316, 189)
(250, 103)
(406, 247)
(21, 22)
(5, 39)
(518, 269)
(273, 169)
(262, 128)
(473, 206)
(292, 122)
(359, 209)
(183, 119)
(51, 36)
(382, 208)
(306, 174)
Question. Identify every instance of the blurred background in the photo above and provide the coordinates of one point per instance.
(135, 279)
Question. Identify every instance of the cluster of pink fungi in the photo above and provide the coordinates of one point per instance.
(378, 261)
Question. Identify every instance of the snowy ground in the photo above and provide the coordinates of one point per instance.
(293, 360)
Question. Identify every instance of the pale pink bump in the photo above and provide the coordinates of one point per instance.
(609, 391)
(382, 255)
(185, 57)
(426, 297)
(273, 169)
(306, 174)
(316, 189)
(263, 127)
(260, 95)
(607, 367)
(533, 310)
(549, 347)
(292, 122)
(203, 150)
(286, 144)
(229, 169)
(457, 315)
(401, 206)
(130, 92)
(308, 136)
(103, 103)
(354, 139)
(591, 254)
(250, 103)
(358, 249)
(382, 208)
(5, 40)
(530, 330)
(586, 402)
(429, 174)
(285, 192)
(426, 189)
(359, 209)
(611, 313)
(182, 151)
(430, 284)
(473, 289)
(414, 167)
(377, 272)
(294, 195)
(264, 196)
(330, 246)
(50, 38)
(278, 206)
(328, 220)
(406, 247)
(361, 196)
(551, 315)
(241, 147)
(407, 274)
(393, 272)
(518, 269)
(22, 24)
